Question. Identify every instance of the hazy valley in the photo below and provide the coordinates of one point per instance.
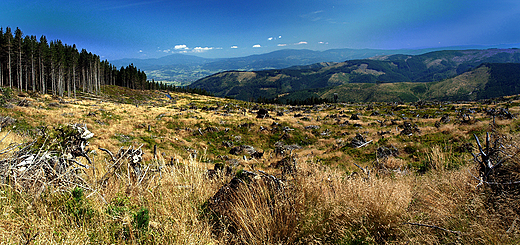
(183, 69)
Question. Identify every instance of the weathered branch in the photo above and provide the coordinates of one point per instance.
(434, 227)
(486, 155)
(365, 144)
(365, 171)
(109, 153)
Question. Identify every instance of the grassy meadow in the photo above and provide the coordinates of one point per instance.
(413, 180)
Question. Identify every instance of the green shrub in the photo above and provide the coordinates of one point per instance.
(142, 219)
(79, 208)
(7, 94)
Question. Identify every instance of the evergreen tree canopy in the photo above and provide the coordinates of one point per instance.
(57, 68)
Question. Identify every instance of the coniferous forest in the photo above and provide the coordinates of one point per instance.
(53, 67)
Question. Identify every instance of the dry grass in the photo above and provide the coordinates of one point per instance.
(324, 202)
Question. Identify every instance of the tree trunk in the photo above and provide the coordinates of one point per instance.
(9, 68)
(61, 87)
(53, 79)
(68, 83)
(42, 77)
(20, 68)
(32, 73)
(26, 78)
(74, 79)
(83, 81)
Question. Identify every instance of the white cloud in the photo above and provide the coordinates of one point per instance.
(323, 42)
(257, 46)
(140, 51)
(234, 46)
(313, 16)
(201, 49)
(300, 43)
(282, 45)
(279, 37)
(182, 46)
(270, 39)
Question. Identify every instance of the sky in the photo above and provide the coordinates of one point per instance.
(116, 29)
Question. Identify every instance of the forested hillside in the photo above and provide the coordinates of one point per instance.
(304, 82)
(57, 68)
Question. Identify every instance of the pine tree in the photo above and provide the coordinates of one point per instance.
(18, 42)
(9, 44)
(43, 48)
(2, 44)
(31, 64)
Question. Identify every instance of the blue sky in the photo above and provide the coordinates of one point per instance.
(117, 29)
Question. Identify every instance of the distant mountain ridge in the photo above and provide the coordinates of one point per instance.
(184, 69)
(174, 59)
(489, 80)
(302, 82)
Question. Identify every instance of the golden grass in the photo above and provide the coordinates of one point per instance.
(320, 204)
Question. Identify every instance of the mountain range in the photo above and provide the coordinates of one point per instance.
(443, 75)
(183, 69)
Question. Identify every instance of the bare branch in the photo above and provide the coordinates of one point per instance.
(434, 227)
(365, 144)
(109, 153)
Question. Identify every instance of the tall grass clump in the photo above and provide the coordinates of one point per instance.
(315, 206)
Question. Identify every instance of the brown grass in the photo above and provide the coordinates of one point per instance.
(319, 205)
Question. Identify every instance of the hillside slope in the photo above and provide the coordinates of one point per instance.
(305, 81)
(487, 81)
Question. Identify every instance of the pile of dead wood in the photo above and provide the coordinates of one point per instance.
(59, 158)
(127, 165)
(359, 141)
(498, 167)
(409, 129)
(50, 160)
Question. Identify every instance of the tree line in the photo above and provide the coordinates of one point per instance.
(313, 100)
(172, 88)
(27, 63)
